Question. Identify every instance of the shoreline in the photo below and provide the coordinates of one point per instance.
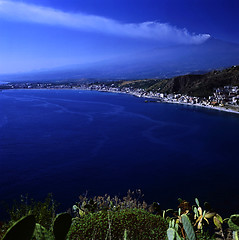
(157, 100)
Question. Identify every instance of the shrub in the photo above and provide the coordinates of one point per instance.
(138, 223)
(44, 212)
(86, 205)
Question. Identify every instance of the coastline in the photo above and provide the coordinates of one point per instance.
(155, 99)
(159, 100)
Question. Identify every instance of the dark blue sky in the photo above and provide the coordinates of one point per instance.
(49, 33)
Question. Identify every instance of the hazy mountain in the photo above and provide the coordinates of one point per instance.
(154, 63)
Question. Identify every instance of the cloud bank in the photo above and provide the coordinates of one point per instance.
(162, 32)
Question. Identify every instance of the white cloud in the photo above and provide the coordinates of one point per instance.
(163, 32)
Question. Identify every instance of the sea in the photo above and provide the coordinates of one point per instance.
(69, 142)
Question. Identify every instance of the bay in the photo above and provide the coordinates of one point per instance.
(68, 141)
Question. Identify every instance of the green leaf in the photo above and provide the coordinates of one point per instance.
(210, 214)
(233, 222)
(180, 200)
(179, 211)
(195, 211)
(177, 236)
(197, 202)
(176, 227)
(219, 218)
(217, 222)
(22, 229)
(173, 223)
(171, 234)
(188, 227)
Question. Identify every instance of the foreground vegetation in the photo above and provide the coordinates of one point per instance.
(106, 217)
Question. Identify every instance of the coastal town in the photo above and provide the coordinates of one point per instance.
(225, 98)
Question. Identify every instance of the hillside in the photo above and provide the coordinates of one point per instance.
(194, 85)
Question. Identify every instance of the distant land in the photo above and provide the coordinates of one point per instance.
(197, 85)
(158, 63)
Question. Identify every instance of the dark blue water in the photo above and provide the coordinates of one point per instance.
(67, 142)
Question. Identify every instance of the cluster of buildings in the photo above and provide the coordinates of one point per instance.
(227, 95)
(33, 85)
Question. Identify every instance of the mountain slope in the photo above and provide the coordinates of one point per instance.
(193, 85)
(156, 63)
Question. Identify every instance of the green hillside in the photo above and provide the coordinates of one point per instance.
(200, 85)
